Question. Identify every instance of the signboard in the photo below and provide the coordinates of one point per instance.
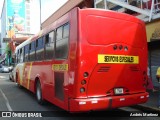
(118, 59)
(15, 16)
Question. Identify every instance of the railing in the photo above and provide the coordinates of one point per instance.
(146, 10)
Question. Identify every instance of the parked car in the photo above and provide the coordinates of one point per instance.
(10, 68)
(12, 75)
(1, 68)
(5, 69)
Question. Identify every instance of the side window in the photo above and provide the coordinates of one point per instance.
(21, 55)
(26, 50)
(59, 33)
(62, 42)
(18, 56)
(29, 52)
(32, 51)
(66, 31)
(49, 45)
(39, 49)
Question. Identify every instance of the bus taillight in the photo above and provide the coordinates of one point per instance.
(83, 82)
(82, 89)
(85, 74)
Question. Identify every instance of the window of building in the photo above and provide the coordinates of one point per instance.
(28, 23)
(28, 29)
(27, 12)
(27, 6)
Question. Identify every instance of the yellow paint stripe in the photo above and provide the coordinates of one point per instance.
(21, 74)
(29, 76)
(20, 77)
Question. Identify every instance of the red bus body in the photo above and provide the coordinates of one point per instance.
(105, 68)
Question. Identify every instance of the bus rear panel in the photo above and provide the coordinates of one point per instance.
(111, 61)
(88, 59)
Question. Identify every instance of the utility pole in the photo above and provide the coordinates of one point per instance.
(40, 13)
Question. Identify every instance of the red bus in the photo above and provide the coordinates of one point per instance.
(86, 60)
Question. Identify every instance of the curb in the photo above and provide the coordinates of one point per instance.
(147, 108)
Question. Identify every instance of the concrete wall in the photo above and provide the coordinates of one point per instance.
(153, 30)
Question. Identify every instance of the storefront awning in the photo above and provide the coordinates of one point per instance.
(20, 39)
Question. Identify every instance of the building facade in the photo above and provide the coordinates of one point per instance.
(19, 19)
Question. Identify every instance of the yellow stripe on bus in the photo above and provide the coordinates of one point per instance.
(120, 59)
(29, 75)
(21, 72)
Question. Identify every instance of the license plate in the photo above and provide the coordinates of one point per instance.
(118, 59)
(118, 91)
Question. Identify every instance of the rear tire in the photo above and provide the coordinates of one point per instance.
(39, 93)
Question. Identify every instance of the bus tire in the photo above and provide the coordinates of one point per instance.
(39, 93)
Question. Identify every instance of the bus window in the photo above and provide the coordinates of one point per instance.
(17, 57)
(32, 51)
(62, 43)
(66, 31)
(59, 33)
(26, 50)
(24, 54)
(21, 55)
(49, 45)
(39, 49)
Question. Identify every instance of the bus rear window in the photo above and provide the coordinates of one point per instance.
(104, 30)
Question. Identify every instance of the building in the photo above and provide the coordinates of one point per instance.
(19, 20)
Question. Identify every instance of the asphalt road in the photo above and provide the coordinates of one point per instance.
(22, 103)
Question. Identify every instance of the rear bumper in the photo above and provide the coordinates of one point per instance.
(102, 103)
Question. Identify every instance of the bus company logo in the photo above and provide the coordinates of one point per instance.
(118, 59)
(60, 67)
(21, 114)
(6, 114)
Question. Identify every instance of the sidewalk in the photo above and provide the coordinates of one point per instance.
(152, 103)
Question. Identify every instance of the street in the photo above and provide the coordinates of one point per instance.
(15, 99)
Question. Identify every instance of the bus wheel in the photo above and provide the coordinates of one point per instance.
(39, 93)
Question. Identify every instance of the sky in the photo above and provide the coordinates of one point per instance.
(1, 4)
(50, 5)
